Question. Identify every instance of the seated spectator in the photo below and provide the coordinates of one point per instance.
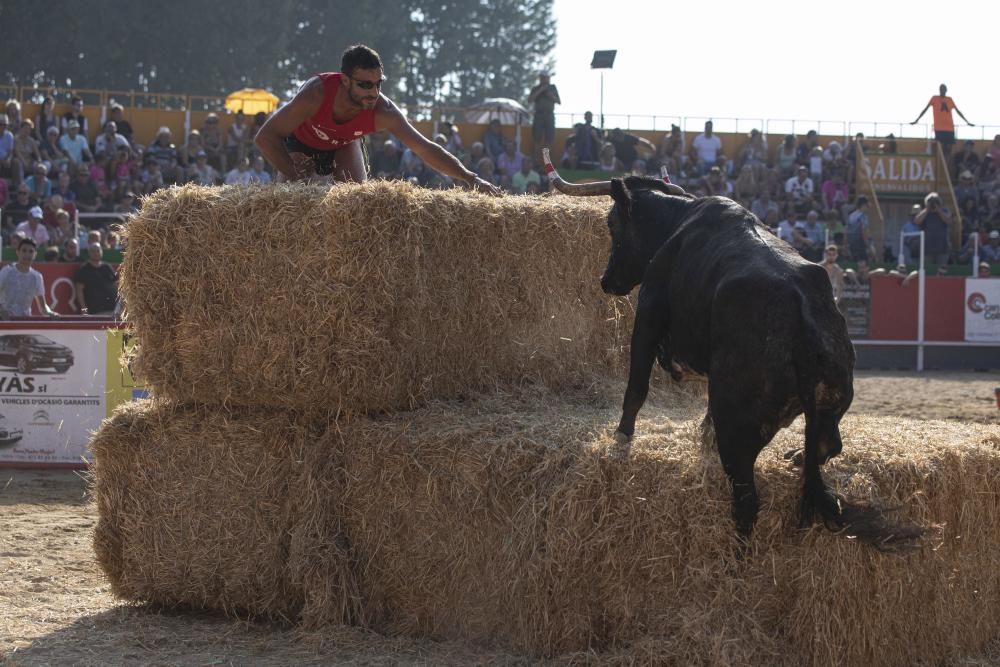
(201, 172)
(813, 237)
(9, 167)
(987, 175)
(128, 203)
(833, 152)
(888, 147)
(240, 175)
(63, 232)
(799, 189)
(21, 285)
(75, 115)
(525, 176)
(4, 192)
(109, 141)
(716, 184)
(96, 284)
(857, 145)
(509, 161)
(385, 163)
(75, 145)
(493, 140)
(786, 157)
(212, 142)
(977, 240)
(984, 270)
(52, 154)
(991, 251)
(17, 209)
(51, 254)
(966, 188)
(62, 187)
(966, 159)
(786, 228)
(33, 228)
(112, 240)
(835, 193)
(124, 128)
(258, 172)
(609, 162)
(13, 112)
(51, 208)
(86, 196)
(486, 171)
(120, 171)
(835, 225)
(26, 147)
(746, 183)
(453, 140)
(99, 176)
(816, 166)
(259, 119)
(46, 118)
(476, 153)
(38, 183)
(805, 148)
(762, 204)
(753, 153)
(163, 151)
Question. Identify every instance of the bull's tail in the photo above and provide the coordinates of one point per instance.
(864, 521)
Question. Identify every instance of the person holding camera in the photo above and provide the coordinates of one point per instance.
(934, 221)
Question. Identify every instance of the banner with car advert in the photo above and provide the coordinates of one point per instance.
(982, 309)
(52, 394)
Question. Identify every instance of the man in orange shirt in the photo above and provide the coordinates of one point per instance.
(944, 126)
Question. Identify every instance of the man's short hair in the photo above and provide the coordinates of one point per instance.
(359, 56)
(27, 240)
(861, 201)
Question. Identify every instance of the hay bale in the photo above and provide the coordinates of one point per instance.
(371, 296)
(502, 522)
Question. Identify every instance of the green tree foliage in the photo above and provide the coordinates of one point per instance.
(449, 52)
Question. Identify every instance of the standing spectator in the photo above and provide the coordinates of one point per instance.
(857, 230)
(124, 127)
(259, 173)
(96, 284)
(240, 175)
(75, 146)
(75, 115)
(26, 147)
(857, 145)
(212, 142)
(9, 166)
(46, 118)
(33, 228)
(110, 141)
(237, 139)
(911, 244)
(934, 221)
(70, 251)
(705, 149)
(52, 154)
(805, 149)
(944, 124)
(385, 163)
(20, 284)
(587, 142)
(834, 271)
(493, 140)
(544, 97)
(525, 176)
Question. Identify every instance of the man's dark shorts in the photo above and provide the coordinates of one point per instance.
(543, 128)
(944, 138)
(324, 161)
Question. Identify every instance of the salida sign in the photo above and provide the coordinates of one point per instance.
(902, 173)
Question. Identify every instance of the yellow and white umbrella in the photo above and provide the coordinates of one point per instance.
(251, 100)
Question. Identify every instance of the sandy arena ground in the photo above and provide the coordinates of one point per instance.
(56, 609)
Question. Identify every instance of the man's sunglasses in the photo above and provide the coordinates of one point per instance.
(368, 85)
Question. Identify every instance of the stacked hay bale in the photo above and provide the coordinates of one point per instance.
(497, 520)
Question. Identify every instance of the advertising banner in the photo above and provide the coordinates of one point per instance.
(982, 310)
(902, 173)
(52, 394)
(855, 305)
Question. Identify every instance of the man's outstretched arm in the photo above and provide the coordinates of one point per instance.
(922, 114)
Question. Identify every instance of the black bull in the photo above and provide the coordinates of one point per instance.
(726, 299)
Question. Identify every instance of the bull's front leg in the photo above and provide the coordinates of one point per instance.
(647, 334)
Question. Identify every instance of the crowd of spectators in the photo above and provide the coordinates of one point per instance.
(50, 172)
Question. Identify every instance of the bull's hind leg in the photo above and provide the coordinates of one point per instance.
(740, 439)
(708, 444)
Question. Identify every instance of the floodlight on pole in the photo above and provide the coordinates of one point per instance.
(603, 60)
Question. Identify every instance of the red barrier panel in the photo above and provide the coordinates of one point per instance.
(894, 309)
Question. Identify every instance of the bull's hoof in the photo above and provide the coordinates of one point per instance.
(622, 439)
(619, 451)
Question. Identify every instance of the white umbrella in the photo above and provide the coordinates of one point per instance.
(510, 112)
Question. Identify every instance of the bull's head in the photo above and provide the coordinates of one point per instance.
(630, 250)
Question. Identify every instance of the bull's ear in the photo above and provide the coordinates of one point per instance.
(621, 194)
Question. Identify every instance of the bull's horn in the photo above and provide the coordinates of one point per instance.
(575, 189)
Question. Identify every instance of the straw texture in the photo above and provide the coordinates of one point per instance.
(502, 521)
(365, 297)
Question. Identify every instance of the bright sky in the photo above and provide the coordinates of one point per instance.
(863, 62)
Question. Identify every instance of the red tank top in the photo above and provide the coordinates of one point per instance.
(322, 132)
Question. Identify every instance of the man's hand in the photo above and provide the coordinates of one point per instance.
(480, 185)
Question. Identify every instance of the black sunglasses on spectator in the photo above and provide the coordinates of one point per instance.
(368, 85)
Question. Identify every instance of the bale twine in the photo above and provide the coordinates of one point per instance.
(365, 297)
(501, 521)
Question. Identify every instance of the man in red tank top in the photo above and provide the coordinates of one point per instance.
(317, 132)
